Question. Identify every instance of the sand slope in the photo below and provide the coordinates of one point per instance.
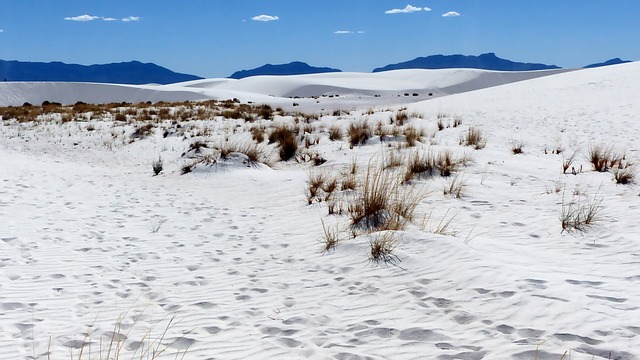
(237, 256)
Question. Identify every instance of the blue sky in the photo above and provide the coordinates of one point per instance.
(213, 38)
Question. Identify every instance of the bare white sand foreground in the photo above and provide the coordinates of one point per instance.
(523, 251)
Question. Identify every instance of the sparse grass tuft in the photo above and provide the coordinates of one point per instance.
(601, 157)
(568, 162)
(624, 174)
(331, 237)
(446, 163)
(358, 133)
(517, 147)
(157, 166)
(382, 202)
(412, 135)
(382, 247)
(474, 138)
(578, 214)
(456, 187)
(420, 164)
(335, 133)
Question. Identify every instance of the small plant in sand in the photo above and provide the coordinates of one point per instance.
(443, 227)
(382, 202)
(331, 237)
(601, 156)
(116, 344)
(359, 133)
(400, 117)
(382, 246)
(474, 138)
(412, 135)
(568, 163)
(578, 214)
(456, 187)
(335, 133)
(143, 131)
(421, 164)
(314, 187)
(447, 163)
(157, 166)
(257, 134)
(624, 174)
(517, 147)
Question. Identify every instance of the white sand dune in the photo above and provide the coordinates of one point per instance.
(268, 88)
(237, 255)
(17, 93)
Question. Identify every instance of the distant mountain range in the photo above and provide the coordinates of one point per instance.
(615, 61)
(137, 73)
(485, 61)
(133, 72)
(292, 68)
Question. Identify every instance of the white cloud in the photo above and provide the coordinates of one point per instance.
(265, 18)
(1, 31)
(406, 10)
(340, 32)
(131, 18)
(84, 17)
(451, 13)
(360, 32)
(109, 19)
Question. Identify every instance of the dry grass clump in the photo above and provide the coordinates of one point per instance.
(474, 138)
(335, 133)
(381, 202)
(143, 131)
(447, 163)
(381, 249)
(254, 153)
(624, 173)
(517, 147)
(287, 142)
(399, 118)
(421, 164)
(578, 214)
(358, 133)
(601, 156)
(257, 134)
(412, 135)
